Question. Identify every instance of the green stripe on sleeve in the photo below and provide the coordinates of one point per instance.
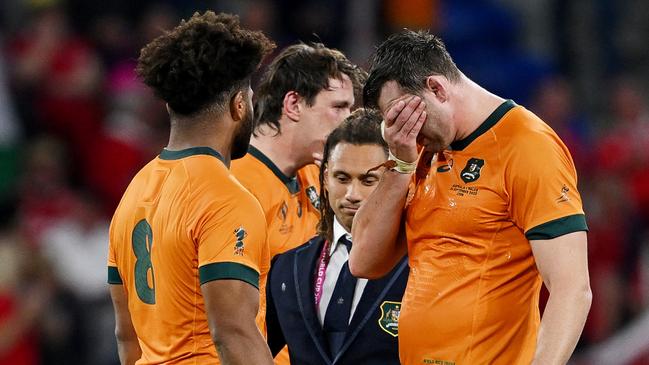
(558, 227)
(228, 270)
(113, 276)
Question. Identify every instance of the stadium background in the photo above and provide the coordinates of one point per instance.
(75, 125)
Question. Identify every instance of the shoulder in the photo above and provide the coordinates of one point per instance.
(521, 126)
(248, 169)
(213, 184)
(255, 176)
(522, 134)
(309, 173)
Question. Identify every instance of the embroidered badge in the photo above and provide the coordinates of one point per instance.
(389, 321)
(564, 195)
(471, 171)
(313, 197)
(240, 234)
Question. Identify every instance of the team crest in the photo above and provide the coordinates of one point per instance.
(471, 171)
(313, 197)
(240, 234)
(389, 321)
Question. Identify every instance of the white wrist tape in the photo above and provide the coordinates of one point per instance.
(401, 166)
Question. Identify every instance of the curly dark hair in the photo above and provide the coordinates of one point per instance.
(305, 69)
(202, 61)
(408, 57)
(362, 127)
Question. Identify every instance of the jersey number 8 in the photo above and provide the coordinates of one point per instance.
(142, 240)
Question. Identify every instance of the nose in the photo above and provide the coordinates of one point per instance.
(353, 193)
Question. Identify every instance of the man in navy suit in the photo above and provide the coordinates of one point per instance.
(314, 304)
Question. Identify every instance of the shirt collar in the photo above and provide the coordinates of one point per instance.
(339, 231)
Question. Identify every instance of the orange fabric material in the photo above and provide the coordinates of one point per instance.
(194, 207)
(292, 218)
(472, 294)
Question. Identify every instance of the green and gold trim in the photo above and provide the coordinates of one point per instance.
(290, 182)
(228, 270)
(558, 227)
(113, 276)
(193, 151)
(491, 120)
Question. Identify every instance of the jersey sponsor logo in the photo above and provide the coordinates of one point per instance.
(564, 195)
(389, 321)
(313, 197)
(240, 233)
(471, 171)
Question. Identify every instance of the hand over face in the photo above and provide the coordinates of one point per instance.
(403, 121)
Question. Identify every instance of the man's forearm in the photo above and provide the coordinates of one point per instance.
(562, 324)
(376, 227)
(242, 347)
(129, 351)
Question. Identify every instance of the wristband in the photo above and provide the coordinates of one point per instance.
(401, 166)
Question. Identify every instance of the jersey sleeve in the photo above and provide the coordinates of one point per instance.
(230, 235)
(113, 273)
(541, 181)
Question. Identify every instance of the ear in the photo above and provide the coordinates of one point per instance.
(291, 106)
(238, 106)
(438, 85)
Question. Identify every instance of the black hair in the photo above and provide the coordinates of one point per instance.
(408, 58)
(202, 61)
(305, 69)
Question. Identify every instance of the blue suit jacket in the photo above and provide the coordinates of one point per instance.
(291, 316)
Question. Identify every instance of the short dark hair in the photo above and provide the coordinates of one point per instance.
(408, 58)
(305, 69)
(362, 127)
(202, 61)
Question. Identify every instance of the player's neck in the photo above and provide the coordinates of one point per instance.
(474, 105)
(281, 149)
(200, 134)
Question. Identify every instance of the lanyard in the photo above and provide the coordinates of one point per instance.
(323, 261)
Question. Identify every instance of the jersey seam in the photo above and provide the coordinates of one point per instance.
(480, 287)
(196, 288)
(489, 252)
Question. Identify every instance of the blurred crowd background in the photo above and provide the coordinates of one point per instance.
(76, 125)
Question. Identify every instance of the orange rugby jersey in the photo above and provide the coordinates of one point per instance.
(472, 295)
(184, 220)
(290, 204)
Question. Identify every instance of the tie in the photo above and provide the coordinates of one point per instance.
(337, 315)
